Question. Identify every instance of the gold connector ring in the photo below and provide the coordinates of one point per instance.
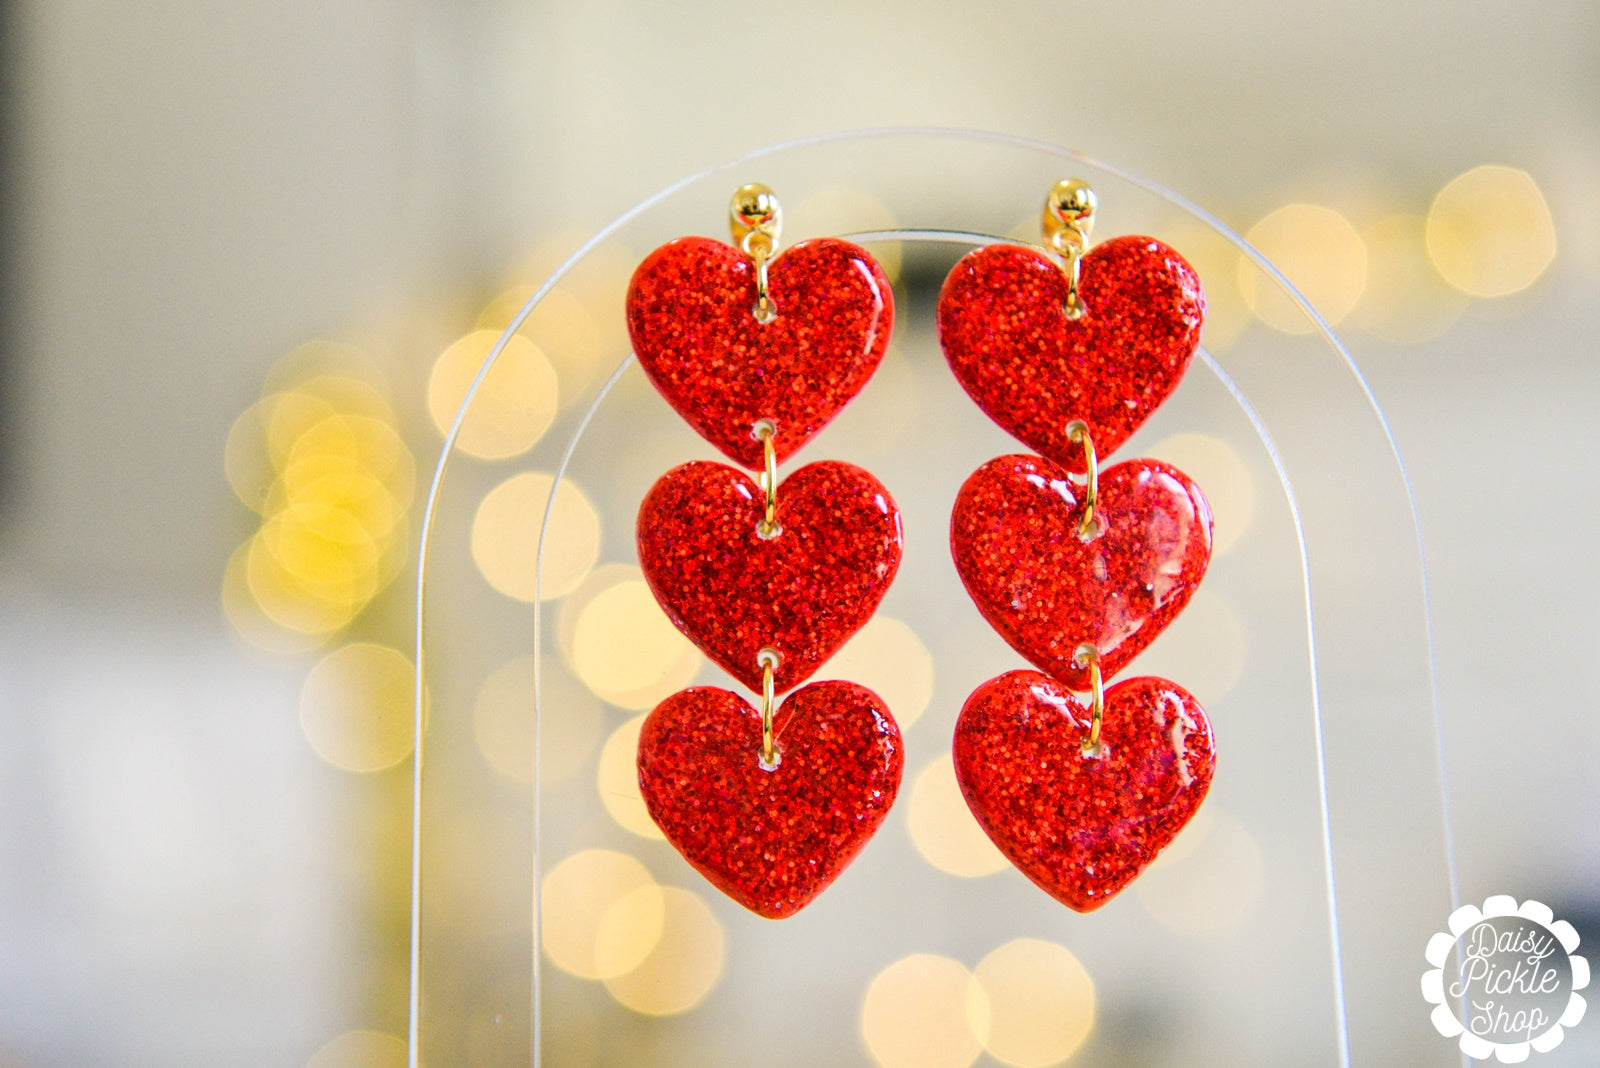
(768, 659)
(764, 432)
(1088, 523)
(1097, 699)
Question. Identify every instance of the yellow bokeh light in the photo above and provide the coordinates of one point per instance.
(846, 211)
(626, 650)
(925, 1011)
(1205, 648)
(247, 614)
(361, 1049)
(630, 930)
(888, 658)
(372, 446)
(562, 328)
(1209, 885)
(1321, 254)
(1490, 233)
(357, 707)
(288, 416)
(320, 459)
(1041, 1002)
(319, 358)
(284, 600)
(503, 722)
(505, 537)
(1216, 260)
(617, 779)
(514, 405)
(325, 548)
(1221, 475)
(244, 459)
(1407, 301)
(684, 965)
(576, 896)
(943, 829)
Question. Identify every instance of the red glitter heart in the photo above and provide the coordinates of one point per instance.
(690, 314)
(1004, 328)
(801, 593)
(771, 839)
(1082, 826)
(1047, 590)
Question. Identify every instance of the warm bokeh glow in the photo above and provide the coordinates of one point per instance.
(682, 967)
(925, 1011)
(322, 462)
(1205, 649)
(253, 620)
(1221, 475)
(1209, 879)
(357, 707)
(1041, 1002)
(625, 649)
(576, 897)
(888, 658)
(942, 827)
(1321, 254)
(630, 929)
(843, 211)
(618, 781)
(503, 722)
(1407, 301)
(361, 1049)
(1490, 233)
(505, 536)
(562, 328)
(514, 405)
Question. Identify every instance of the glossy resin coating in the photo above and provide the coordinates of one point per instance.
(1005, 331)
(690, 314)
(1047, 590)
(1081, 826)
(771, 839)
(801, 593)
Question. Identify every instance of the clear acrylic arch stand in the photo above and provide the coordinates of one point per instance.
(1289, 925)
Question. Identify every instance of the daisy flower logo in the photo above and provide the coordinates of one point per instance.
(1505, 979)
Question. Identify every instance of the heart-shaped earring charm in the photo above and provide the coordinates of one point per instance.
(800, 587)
(1051, 584)
(770, 834)
(1007, 325)
(724, 367)
(1082, 818)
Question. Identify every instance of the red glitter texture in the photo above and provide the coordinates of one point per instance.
(1082, 827)
(770, 839)
(801, 593)
(1047, 590)
(1003, 325)
(690, 314)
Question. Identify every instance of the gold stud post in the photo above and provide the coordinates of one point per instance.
(1068, 222)
(756, 219)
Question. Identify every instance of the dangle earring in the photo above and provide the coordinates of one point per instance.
(1079, 568)
(758, 350)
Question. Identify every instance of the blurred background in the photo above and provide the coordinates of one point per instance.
(253, 255)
